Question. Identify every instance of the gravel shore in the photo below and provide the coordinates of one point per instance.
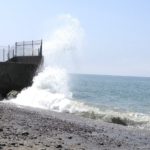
(23, 128)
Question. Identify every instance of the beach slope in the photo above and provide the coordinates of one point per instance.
(23, 128)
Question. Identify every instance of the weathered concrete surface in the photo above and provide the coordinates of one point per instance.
(27, 59)
(18, 72)
(15, 76)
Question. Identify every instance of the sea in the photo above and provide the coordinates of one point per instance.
(122, 97)
(113, 99)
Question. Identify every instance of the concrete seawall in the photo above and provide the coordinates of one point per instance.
(27, 59)
(19, 65)
(17, 73)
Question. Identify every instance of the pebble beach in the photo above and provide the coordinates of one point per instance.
(24, 128)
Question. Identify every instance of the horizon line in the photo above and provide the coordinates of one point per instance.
(117, 75)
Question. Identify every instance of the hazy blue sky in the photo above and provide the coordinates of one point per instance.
(117, 32)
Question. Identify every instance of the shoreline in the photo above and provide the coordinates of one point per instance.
(31, 128)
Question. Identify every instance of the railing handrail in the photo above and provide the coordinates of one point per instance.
(37, 42)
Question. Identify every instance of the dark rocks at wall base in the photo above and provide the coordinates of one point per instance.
(12, 94)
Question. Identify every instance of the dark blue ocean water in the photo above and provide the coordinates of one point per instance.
(128, 95)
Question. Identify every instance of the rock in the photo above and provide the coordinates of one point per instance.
(25, 133)
(118, 120)
(59, 146)
(2, 145)
(118, 144)
(1, 130)
(101, 143)
(13, 144)
(12, 94)
(70, 137)
(30, 146)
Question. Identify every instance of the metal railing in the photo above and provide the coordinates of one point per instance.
(24, 48)
(28, 48)
(4, 52)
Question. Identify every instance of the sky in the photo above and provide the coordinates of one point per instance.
(117, 32)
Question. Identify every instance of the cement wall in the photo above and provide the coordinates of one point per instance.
(15, 76)
(27, 59)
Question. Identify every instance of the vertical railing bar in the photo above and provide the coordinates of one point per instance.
(8, 52)
(16, 49)
(3, 54)
(32, 49)
(13, 53)
(23, 48)
(41, 48)
(38, 51)
(8, 55)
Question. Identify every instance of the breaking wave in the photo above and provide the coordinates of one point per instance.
(50, 89)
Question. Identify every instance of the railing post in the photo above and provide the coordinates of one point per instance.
(23, 48)
(8, 56)
(13, 53)
(16, 49)
(41, 48)
(8, 52)
(3, 54)
(32, 49)
(38, 52)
